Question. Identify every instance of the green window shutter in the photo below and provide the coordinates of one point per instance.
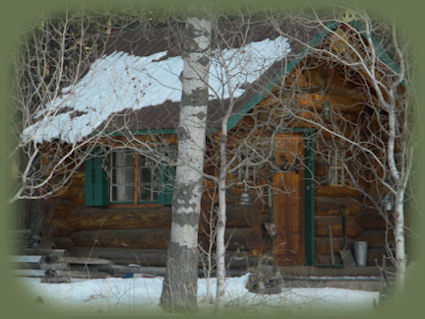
(96, 183)
(166, 178)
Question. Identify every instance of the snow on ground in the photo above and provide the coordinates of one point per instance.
(133, 294)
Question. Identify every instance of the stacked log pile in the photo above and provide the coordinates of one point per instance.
(54, 266)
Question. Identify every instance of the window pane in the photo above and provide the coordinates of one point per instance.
(122, 193)
(129, 159)
(114, 178)
(129, 194)
(123, 159)
(145, 193)
(146, 175)
(122, 176)
(129, 176)
(114, 194)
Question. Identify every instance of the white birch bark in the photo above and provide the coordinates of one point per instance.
(179, 291)
(400, 247)
(221, 220)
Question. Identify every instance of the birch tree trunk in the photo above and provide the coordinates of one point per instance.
(400, 241)
(179, 291)
(221, 220)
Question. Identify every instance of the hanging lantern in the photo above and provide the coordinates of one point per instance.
(245, 199)
(326, 110)
(388, 203)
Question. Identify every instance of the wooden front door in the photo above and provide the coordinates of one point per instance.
(288, 200)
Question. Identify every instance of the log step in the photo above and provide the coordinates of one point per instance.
(76, 274)
(44, 251)
(25, 259)
(28, 272)
(76, 260)
(132, 270)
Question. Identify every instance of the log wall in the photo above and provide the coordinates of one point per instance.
(122, 232)
(362, 224)
(74, 226)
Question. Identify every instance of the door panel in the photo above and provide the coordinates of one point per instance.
(288, 200)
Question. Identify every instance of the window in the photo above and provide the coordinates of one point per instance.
(247, 170)
(148, 180)
(135, 178)
(336, 169)
(122, 176)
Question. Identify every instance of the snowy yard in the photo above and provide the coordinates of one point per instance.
(135, 294)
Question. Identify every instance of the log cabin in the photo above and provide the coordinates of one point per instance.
(290, 196)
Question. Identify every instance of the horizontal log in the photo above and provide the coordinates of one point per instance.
(156, 238)
(62, 243)
(374, 238)
(139, 218)
(323, 247)
(28, 272)
(44, 251)
(55, 266)
(242, 216)
(25, 259)
(79, 199)
(60, 227)
(122, 268)
(240, 238)
(119, 218)
(20, 234)
(341, 99)
(125, 256)
(55, 280)
(61, 211)
(61, 207)
(326, 259)
(236, 238)
(75, 274)
(124, 271)
(76, 260)
(374, 256)
(158, 257)
(331, 205)
(19, 265)
(78, 178)
(235, 259)
(370, 219)
(236, 216)
(337, 191)
(71, 191)
(351, 227)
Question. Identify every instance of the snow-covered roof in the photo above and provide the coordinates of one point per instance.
(121, 81)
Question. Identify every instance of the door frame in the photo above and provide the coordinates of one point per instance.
(309, 173)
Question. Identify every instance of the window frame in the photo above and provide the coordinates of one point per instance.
(336, 172)
(247, 169)
(155, 188)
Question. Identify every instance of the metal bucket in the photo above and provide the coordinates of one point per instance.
(360, 252)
